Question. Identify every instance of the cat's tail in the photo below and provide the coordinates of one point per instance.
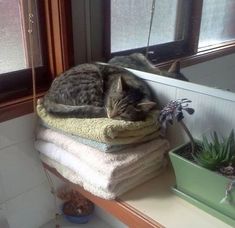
(84, 111)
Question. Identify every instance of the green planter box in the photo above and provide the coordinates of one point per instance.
(201, 184)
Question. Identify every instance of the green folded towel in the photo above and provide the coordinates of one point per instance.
(112, 132)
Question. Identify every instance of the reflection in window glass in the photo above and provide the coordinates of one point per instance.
(130, 21)
(217, 23)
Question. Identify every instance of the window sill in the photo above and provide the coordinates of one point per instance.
(17, 108)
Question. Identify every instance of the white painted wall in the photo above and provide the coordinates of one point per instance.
(217, 73)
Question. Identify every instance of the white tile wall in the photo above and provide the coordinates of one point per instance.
(16, 130)
(20, 169)
(3, 220)
(25, 199)
(30, 209)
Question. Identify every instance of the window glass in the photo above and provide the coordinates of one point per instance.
(217, 24)
(12, 56)
(14, 45)
(130, 21)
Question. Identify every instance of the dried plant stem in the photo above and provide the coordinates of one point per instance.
(189, 135)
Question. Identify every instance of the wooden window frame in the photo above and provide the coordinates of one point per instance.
(16, 87)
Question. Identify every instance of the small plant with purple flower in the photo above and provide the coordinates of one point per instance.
(174, 111)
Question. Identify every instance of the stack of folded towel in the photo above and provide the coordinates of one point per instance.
(106, 157)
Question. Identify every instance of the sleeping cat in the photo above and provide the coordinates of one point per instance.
(96, 90)
(138, 61)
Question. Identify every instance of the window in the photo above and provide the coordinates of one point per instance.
(169, 14)
(180, 28)
(52, 50)
(14, 53)
(134, 34)
(217, 22)
(131, 21)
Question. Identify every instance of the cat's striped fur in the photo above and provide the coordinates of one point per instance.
(95, 90)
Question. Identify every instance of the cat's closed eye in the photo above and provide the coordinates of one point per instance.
(132, 115)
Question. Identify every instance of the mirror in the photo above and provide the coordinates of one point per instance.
(217, 73)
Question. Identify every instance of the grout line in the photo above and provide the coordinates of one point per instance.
(18, 142)
(26, 191)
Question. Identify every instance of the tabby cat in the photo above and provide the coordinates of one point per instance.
(96, 90)
(138, 61)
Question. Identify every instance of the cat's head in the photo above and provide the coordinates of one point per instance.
(127, 103)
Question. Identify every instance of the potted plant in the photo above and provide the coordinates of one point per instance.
(204, 170)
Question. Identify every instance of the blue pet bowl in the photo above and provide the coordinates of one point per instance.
(82, 219)
(78, 219)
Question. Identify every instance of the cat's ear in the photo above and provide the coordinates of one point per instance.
(121, 85)
(147, 105)
(175, 67)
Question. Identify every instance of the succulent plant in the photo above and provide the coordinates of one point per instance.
(217, 153)
(174, 110)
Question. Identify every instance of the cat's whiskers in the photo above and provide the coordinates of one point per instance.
(108, 115)
(107, 112)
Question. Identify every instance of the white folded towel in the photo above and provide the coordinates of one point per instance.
(120, 188)
(87, 173)
(112, 165)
